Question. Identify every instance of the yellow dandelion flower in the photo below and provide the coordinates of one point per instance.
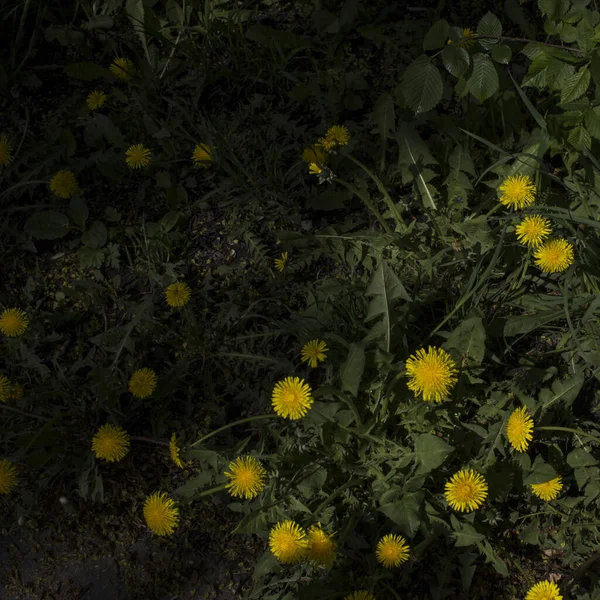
(327, 144)
(519, 429)
(314, 169)
(292, 398)
(517, 191)
(360, 595)
(548, 490)
(161, 515)
(432, 373)
(466, 490)
(5, 388)
(5, 150)
(142, 383)
(202, 155)
(13, 322)
(544, 590)
(122, 68)
(178, 294)
(533, 230)
(137, 156)
(110, 443)
(247, 477)
(554, 256)
(96, 99)
(321, 547)
(280, 262)
(16, 392)
(174, 451)
(467, 38)
(8, 476)
(313, 352)
(338, 134)
(315, 154)
(392, 551)
(288, 542)
(64, 184)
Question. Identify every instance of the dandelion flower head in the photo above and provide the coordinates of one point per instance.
(137, 156)
(122, 68)
(392, 551)
(110, 443)
(174, 451)
(64, 184)
(321, 547)
(96, 99)
(288, 542)
(548, 490)
(360, 595)
(432, 373)
(247, 477)
(519, 429)
(280, 262)
(314, 154)
(292, 398)
(8, 476)
(544, 590)
(337, 135)
(314, 169)
(178, 294)
(554, 256)
(5, 388)
(13, 322)
(202, 155)
(313, 352)
(5, 150)
(533, 230)
(466, 490)
(16, 392)
(142, 383)
(467, 38)
(517, 191)
(160, 513)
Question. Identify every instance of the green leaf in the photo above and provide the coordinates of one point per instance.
(469, 339)
(554, 9)
(563, 390)
(47, 225)
(170, 220)
(580, 458)
(502, 54)
(456, 60)
(405, 513)
(575, 86)
(483, 82)
(95, 237)
(540, 472)
(385, 116)
(489, 26)
(79, 211)
(422, 85)
(313, 483)
(437, 36)
(499, 565)
(90, 257)
(592, 121)
(385, 288)
(352, 370)
(464, 534)
(580, 138)
(255, 522)
(194, 484)
(430, 452)
(86, 71)
(136, 12)
(530, 535)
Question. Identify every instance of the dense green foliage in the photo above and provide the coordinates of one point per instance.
(397, 244)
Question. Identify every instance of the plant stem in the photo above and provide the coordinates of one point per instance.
(528, 41)
(569, 430)
(365, 198)
(229, 425)
(24, 412)
(218, 488)
(141, 438)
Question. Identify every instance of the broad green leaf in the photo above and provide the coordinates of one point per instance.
(580, 458)
(483, 82)
(90, 257)
(455, 59)
(469, 339)
(464, 534)
(580, 138)
(195, 484)
(265, 565)
(563, 390)
(405, 513)
(499, 565)
(530, 535)
(502, 54)
(171, 219)
(540, 472)
(136, 12)
(575, 86)
(255, 522)
(79, 211)
(554, 9)
(47, 225)
(385, 288)
(437, 36)
(489, 25)
(422, 85)
(430, 452)
(592, 121)
(108, 129)
(461, 160)
(314, 482)
(95, 237)
(385, 115)
(352, 370)
(86, 71)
